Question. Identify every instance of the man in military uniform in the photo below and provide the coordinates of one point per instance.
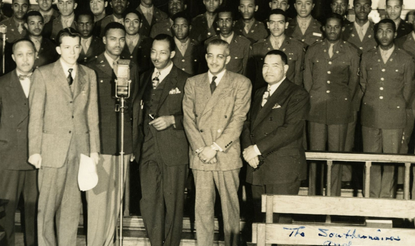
(304, 27)
(278, 40)
(66, 18)
(203, 25)
(393, 11)
(165, 26)
(118, 7)
(239, 46)
(189, 55)
(46, 10)
(137, 46)
(152, 15)
(386, 79)
(340, 7)
(331, 78)
(248, 26)
(15, 24)
(98, 9)
(92, 45)
(279, 4)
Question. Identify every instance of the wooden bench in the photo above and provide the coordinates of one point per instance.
(330, 234)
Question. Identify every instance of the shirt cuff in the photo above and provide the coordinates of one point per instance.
(257, 150)
(215, 146)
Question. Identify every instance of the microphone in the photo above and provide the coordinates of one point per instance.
(3, 31)
(123, 81)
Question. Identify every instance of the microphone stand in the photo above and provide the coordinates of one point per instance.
(3, 31)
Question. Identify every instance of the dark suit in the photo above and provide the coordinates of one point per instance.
(277, 130)
(311, 35)
(257, 32)
(158, 16)
(164, 158)
(95, 48)
(387, 89)
(140, 54)
(17, 176)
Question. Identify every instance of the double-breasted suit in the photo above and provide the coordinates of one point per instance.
(63, 124)
(216, 118)
(387, 89)
(311, 35)
(164, 156)
(17, 176)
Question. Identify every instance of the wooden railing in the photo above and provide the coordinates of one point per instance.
(366, 159)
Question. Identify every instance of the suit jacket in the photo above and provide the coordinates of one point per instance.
(109, 119)
(47, 53)
(277, 130)
(200, 30)
(331, 82)
(240, 49)
(12, 30)
(141, 53)
(257, 32)
(217, 117)
(53, 27)
(162, 27)
(158, 16)
(369, 42)
(387, 89)
(294, 50)
(171, 143)
(95, 49)
(311, 35)
(59, 116)
(14, 119)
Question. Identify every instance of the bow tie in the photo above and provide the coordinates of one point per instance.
(22, 76)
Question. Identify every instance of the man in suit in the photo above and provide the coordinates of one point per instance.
(15, 24)
(104, 199)
(304, 27)
(137, 46)
(240, 46)
(278, 40)
(45, 9)
(165, 26)
(98, 9)
(66, 18)
(387, 83)
(215, 105)
(331, 78)
(340, 7)
(17, 176)
(188, 55)
(248, 26)
(203, 25)
(152, 15)
(118, 7)
(63, 125)
(45, 48)
(92, 45)
(273, 134)
(165, 150)
(393, 11)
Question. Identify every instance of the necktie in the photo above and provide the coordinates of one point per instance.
(83, 43)
(156, 80)
(22, 76)
(246, 27)
(20, 27)
(213, 85)
(131, 46)
(69, 78)
(265, 97)
(360, 33)
(331, 50)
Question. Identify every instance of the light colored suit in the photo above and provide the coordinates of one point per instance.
(63, 124)
(219, 118)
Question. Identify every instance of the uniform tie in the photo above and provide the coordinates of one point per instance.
(213, 85)
(331, 50)
(69, 78)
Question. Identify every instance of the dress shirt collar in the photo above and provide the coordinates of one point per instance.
(25, 83)
(67, 20)
(397, 22)
(364, 27)
(218, 76)
(119, 20)
(66, 67)
(413, 35)
(182, 46)
(277, 40)
(274, 87)
(132, 38)
(306, 20)
(164, 72)
(228, 39)
(249, 23)
(146, 9)
(110, 60)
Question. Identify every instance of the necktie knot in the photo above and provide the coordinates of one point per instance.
(213, 84)
(156, 80)
(69, 78)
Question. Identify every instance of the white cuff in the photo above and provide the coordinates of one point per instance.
(257, 150)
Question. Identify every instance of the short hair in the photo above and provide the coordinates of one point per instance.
(23, 40)
(113, 25)
(313, 1)
(219, 42)
(347, 1)
(278, 53)
(225, 9)
(354, 2)
(278, 12)
(401, 1)
(32, 13)
(334, 16)
(168, 38)
(86, 12)
(133, 11)
(183, 15)
(385, 21)
(67, 32)
(28, 1)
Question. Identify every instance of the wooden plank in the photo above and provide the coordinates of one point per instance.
(347, 206)
(334, 235)
(351, 157)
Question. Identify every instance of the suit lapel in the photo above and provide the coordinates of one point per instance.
(60, 77)
(220, 91)
(14, 88)
(171, 82)
(256, 105)
(79, 81)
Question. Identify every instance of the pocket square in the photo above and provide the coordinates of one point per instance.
(174, 91)
(276, 106)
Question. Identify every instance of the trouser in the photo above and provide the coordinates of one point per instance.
(376, 140)
(13, 184)
(348, 147)
(406, 137)
(227, 183)
(104, 201)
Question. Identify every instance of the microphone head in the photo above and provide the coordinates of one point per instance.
(3, 29)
